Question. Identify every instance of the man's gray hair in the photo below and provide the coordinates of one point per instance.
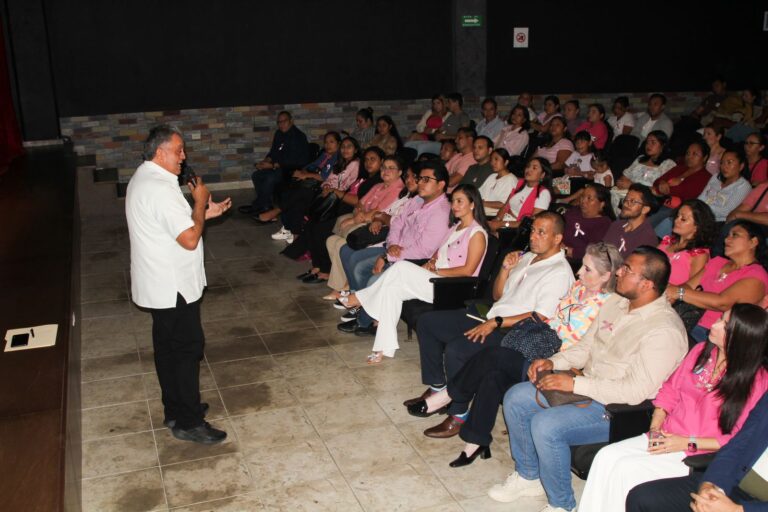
(158, 136)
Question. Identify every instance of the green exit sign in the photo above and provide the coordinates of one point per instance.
(471, 21)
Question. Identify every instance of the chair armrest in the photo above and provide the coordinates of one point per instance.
(700, 462)
(451, 292)
(628, 420)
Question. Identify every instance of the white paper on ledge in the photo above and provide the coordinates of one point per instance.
(45, 336)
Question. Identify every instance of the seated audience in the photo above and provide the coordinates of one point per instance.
(750, 119)
(551, 110)
(683, 182)
(496, 188)
(527, 283)
(572, 116)
(459, 255)
(525, 100)
(491, 124)
(733, 481)
(432, 119)
(688, 245)
(478, 172)
(724, 281)
(596, 125)
(514, 135)
(713, 136)
(647, 168)
(364, 128)
(386, 136)
(492, 371)
(633, 229)
(588, 222)
(754, 149)
(621, 121)
(458, 164)
(578, 166)
(304, 186)
(600, 173)
(455, 119)
(448, 150)
(414, 235)
(725, 191)
(711, 102)
(699, 408)
(647, 341)
(653, 119)
(358, 263)
(372, 205)
(289, 151)
(558, 147)
(530, 196)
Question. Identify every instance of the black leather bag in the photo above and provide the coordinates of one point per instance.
(533, 338)
(324, 208)
(362, 237)
(555, 398)
(689, 314)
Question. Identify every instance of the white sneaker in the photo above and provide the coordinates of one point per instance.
(289, 239)
(282, 234)
(550, 508)
(515, 487)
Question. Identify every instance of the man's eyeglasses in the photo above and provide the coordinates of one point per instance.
(624, 269)
(425, 179)
(634, 202)
(751, 143)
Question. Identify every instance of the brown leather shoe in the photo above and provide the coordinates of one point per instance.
(423, 396)
(448, 428)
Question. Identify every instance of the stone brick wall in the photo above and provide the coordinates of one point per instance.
(223, 143)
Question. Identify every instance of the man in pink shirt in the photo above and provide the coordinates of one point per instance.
(458, 165)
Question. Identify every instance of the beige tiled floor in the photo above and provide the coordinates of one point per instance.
(311, 426)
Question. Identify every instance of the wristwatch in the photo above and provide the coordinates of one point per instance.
(680, 293)
(692, 446)
(499, 321)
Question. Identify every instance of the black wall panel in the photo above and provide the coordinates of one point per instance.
(141, 55)
(626, 46)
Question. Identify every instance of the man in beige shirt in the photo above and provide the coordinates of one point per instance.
(634, 344)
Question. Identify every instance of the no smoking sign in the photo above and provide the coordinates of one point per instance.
(520, 37)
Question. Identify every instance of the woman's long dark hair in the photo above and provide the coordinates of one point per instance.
(526, 118)
(603, 194)
(663, 139)
(746, 352)
(478, 212)
(342, 164)
(704, 219)
(753, 231)
(392, 129)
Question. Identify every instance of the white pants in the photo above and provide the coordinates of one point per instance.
(619, 467)
(383, 300)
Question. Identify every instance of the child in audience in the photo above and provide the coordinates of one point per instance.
(600, 173)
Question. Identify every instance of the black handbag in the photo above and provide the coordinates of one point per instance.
(362, 237)
(323, 208)
(689, 314)
(533, 338)
(555, 398)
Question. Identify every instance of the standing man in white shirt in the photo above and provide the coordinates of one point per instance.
(168, 277)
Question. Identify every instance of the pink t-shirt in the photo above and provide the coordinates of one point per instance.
(460, 163)
(598, 131)
(680, 261)
(693, 408)
(550, 154)
(753, 196)
(381, 195)
(759, 171)
(713, 281)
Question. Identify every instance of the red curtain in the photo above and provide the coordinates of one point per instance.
(10, 135)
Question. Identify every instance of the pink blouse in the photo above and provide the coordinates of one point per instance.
(693, 408)
(551, 153)
(381, 196)
(345, 178)
(680, 261)
(713, 281)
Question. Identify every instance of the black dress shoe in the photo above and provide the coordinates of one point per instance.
(483, 451)
(420, 409)
(304, 275)
(172, 423)
(203, 434)
(365, 331)
(260, 222)
(313, 279)
(348, 326)
(245, 209)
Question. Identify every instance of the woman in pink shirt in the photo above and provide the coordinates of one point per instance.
(700, 407)
(754, 148)
(559, 147)
(596, 125)
(739, 277)
(688, 246)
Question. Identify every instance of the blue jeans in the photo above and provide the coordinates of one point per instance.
(266, 182)
(358, 265)
(540, 439)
